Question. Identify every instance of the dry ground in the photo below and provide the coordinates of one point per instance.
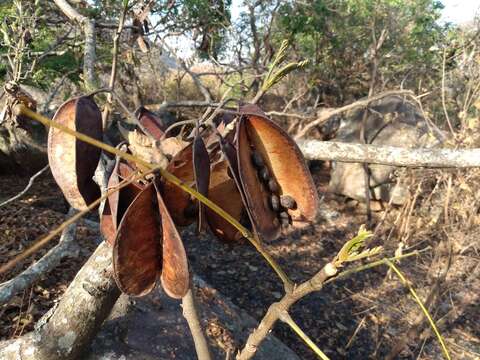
(360, 317)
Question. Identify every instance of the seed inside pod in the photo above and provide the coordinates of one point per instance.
(284, 215)
(273, 186)
(191, 210)
(275, 202)
(264, 174)
(285, 223)
(257, 160)
(288, 202)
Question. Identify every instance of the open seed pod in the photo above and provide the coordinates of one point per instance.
(150, 123)
(224, 192)
(178, 201)
(73, 162)
(118, 202)
(175, 276)
(137, 251)
(272, 168)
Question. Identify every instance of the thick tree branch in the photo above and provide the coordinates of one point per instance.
(89, 54)
(389, 155)
(66, 331)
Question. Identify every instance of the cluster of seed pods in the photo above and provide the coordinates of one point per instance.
(256, 174)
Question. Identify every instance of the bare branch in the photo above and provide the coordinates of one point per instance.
(389, 155)
(66, 331)
(190, 313)
(29, 185)
(357, 104)
(89, 54)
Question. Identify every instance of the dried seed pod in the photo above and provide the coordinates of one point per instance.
(287, 166)
(224, 192)
(73, 162)
(288, 202)
(201, 165)
(136, 252)
(175, 198)
(257, 160)
(175, 276)
(150, 123)
(273, 186)
(275, 202)
(118, 202)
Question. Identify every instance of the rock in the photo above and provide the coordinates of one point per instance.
(392, 121)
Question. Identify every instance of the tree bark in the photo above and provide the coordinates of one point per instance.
(389, 155)
(67, 330)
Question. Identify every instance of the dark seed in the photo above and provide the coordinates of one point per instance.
(264, 174)
(273, 186)
(191, 210)
(257, 160)
(275, 202)
(287, 202)
(276, 222)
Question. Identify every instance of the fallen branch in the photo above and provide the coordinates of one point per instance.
(29, 185)
(67, 331)
(65, 247)
(389, 155)
(357, 104)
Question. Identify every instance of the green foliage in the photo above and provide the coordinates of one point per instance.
(338, 37)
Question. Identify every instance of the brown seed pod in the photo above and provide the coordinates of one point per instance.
(150, 123)
(137, 252)
(175, 198)
(201, 167)
(175, 276)
(286, 165)
(224, 192)
(118, 202)
(73, 162)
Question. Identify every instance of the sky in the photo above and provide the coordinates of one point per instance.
(460, 11)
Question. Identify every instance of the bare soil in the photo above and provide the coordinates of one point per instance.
(361, 317)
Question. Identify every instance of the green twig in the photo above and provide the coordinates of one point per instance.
(422, 306)
(286, 318)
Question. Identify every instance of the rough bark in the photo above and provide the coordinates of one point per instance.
(68, 329)
(389, 155)
(89, 52)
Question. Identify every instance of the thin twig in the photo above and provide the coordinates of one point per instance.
(113, 74)
(286, 318)
(29, 185)
(190, 313)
